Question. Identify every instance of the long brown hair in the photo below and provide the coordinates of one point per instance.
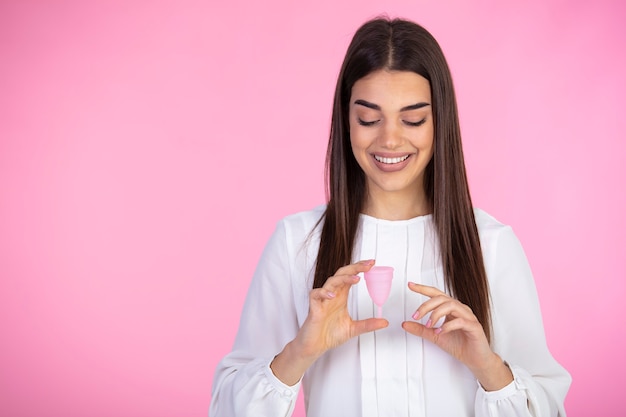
(401, 45)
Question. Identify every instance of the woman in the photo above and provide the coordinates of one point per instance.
(463, 300)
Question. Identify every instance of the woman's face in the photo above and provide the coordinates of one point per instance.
(391, 132)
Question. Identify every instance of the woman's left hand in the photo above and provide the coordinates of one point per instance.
(461, 335)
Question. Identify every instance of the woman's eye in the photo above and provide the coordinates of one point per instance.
(418, 123)
(367, 123)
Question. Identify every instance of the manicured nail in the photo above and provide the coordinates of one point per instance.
(438, 330)
(331, 294)
(416, 315)
(429, 323)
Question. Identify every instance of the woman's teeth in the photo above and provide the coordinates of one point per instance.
(390, 160)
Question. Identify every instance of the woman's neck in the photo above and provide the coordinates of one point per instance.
(396, 206)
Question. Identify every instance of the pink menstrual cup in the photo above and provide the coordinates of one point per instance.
(378, 280)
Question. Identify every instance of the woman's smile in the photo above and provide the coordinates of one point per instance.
(391, 163)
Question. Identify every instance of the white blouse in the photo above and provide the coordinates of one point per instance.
(388, 372)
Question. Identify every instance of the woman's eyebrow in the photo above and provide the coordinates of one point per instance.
(377, 107)
(415, 106)
(367, 104)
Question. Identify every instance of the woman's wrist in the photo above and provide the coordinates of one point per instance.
(290, 365)
(495, 375)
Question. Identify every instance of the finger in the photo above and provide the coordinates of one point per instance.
(338, 283)
(450, 308)
(356, 268)
(429, 305)
(419, 330)
(368, 325)
(320, 294)
(469, 326)
(425, 290)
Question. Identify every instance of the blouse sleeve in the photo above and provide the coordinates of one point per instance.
(244, 384)
(540, 383)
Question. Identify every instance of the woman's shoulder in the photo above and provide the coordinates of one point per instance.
(488, 226)
(302, 223)
(485, 220)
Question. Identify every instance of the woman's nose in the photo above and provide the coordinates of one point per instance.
(391, 135)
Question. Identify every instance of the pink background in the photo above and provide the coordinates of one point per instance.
(147, 150)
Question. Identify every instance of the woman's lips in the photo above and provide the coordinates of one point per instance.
(390, 160)
(391, 163)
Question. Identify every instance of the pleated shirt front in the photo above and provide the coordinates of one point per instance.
(388, 372)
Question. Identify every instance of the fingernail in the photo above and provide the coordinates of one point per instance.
(331, 294)
(438, 330)
(429, 323)
(368, 262)
(416, 315)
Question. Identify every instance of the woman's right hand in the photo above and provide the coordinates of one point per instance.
(327, 325)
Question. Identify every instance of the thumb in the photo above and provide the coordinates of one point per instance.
(418, 329)
(368, 325)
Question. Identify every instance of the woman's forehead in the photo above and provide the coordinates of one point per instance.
(391, 89)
